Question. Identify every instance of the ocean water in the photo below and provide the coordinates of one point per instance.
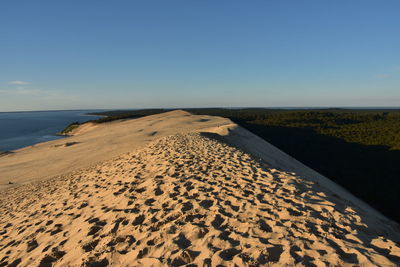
(21, 129)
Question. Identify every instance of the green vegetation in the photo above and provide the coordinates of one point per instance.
(367, 127)
(358, 149)
(109, 116)
(70, 127)
(125, 114)
(4, 153)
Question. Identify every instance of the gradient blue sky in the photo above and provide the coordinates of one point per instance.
(137, 54)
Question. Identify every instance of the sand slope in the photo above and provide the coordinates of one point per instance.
(193, 198)
(92, 143)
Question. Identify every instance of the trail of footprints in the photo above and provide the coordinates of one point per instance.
(187, 200)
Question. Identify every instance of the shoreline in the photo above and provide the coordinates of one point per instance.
(39, 131)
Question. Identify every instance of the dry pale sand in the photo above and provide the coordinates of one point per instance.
(202, 196)
(92, 143)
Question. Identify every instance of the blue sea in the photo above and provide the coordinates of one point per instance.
(21, 129)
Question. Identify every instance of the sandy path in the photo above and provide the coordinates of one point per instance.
(189, 199)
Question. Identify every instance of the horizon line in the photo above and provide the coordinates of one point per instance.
(221, 107)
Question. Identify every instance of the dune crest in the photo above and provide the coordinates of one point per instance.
(189, 199)
(94, 143)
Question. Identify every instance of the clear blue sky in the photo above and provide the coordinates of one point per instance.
(137, 54)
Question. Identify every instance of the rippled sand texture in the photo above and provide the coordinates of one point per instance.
(188, 199)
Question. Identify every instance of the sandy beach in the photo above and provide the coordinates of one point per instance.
(177, 189)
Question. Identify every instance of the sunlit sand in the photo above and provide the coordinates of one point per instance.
(175, 189)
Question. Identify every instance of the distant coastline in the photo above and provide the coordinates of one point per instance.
(22, 129)
(58, 110)
(106, 115)
(95, 111)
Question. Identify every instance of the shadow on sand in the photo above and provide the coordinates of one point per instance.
(371, 173)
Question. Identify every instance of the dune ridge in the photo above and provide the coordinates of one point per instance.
(91, 143)
(189, 198)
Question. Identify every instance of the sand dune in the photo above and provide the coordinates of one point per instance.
(193, 197)
(92, 143)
